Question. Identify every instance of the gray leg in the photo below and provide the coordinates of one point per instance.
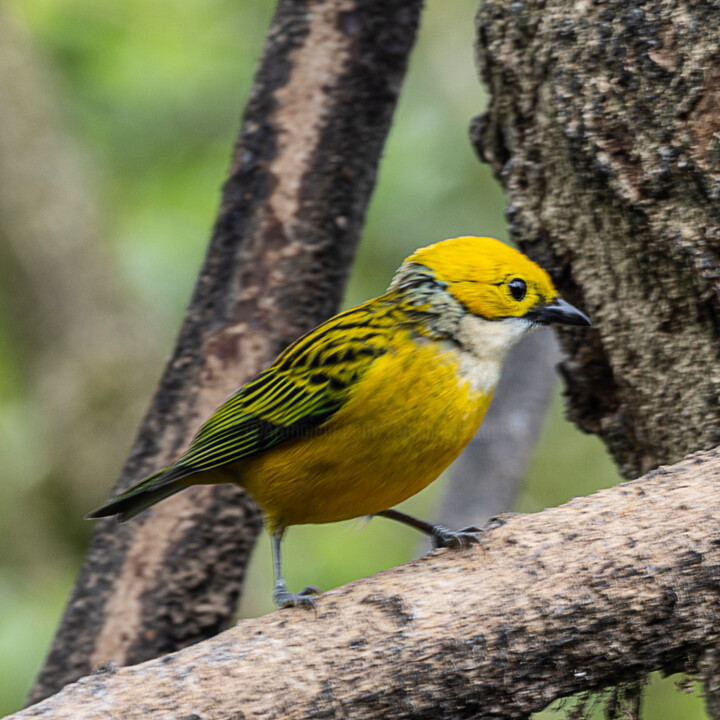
(281, 595)
(441, 536)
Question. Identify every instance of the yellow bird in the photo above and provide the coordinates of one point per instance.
(371, 406)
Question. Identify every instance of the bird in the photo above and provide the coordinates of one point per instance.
(372, 405)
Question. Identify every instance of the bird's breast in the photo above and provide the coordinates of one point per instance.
(403, 423)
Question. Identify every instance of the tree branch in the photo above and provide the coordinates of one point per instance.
(598, 591)
(290, 217)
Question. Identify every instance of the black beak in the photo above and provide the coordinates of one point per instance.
(560, 312)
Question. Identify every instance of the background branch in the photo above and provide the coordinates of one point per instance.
(290, 216)
(599, 591)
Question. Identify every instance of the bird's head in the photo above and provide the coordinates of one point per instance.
(490, 280)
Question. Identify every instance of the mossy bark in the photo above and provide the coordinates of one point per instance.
(603, 128)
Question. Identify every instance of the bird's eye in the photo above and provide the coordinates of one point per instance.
(518, 288)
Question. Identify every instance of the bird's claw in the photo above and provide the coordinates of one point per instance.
(442, 537)
(284, 598)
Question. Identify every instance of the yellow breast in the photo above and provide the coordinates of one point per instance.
(402, 425)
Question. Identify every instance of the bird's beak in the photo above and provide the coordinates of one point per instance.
(560, 312)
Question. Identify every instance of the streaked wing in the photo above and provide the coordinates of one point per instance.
(252, 419)
(299, 392)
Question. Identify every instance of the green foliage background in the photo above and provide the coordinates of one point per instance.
(152, 94)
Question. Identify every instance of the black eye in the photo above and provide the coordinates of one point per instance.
(518, 288)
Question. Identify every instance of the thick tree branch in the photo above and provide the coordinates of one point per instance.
(599, 591)
(290, 217)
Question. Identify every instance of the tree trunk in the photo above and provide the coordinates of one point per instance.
(603, 129)
(576, 598)
(290, 217)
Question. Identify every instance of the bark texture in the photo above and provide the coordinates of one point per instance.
(603, 128)
(601, 590)
(291, 212)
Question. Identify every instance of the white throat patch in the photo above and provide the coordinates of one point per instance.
(484, 344)
(490, 339)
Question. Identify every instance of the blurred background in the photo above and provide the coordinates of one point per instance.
(116, 127)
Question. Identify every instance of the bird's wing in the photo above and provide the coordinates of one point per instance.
(266, 412)
(299, 392)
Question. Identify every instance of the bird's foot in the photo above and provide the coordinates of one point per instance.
(442, 537)
(284, 598)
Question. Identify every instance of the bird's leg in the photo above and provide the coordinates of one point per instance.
(441, 536)
(281, 595)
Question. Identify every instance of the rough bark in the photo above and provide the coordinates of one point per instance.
(290, 216)
(709, 674)
(603, 128)
(598, 591)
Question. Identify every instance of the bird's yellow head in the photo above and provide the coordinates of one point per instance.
(494, 281)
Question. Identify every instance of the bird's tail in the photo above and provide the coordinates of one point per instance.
(141, 496)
